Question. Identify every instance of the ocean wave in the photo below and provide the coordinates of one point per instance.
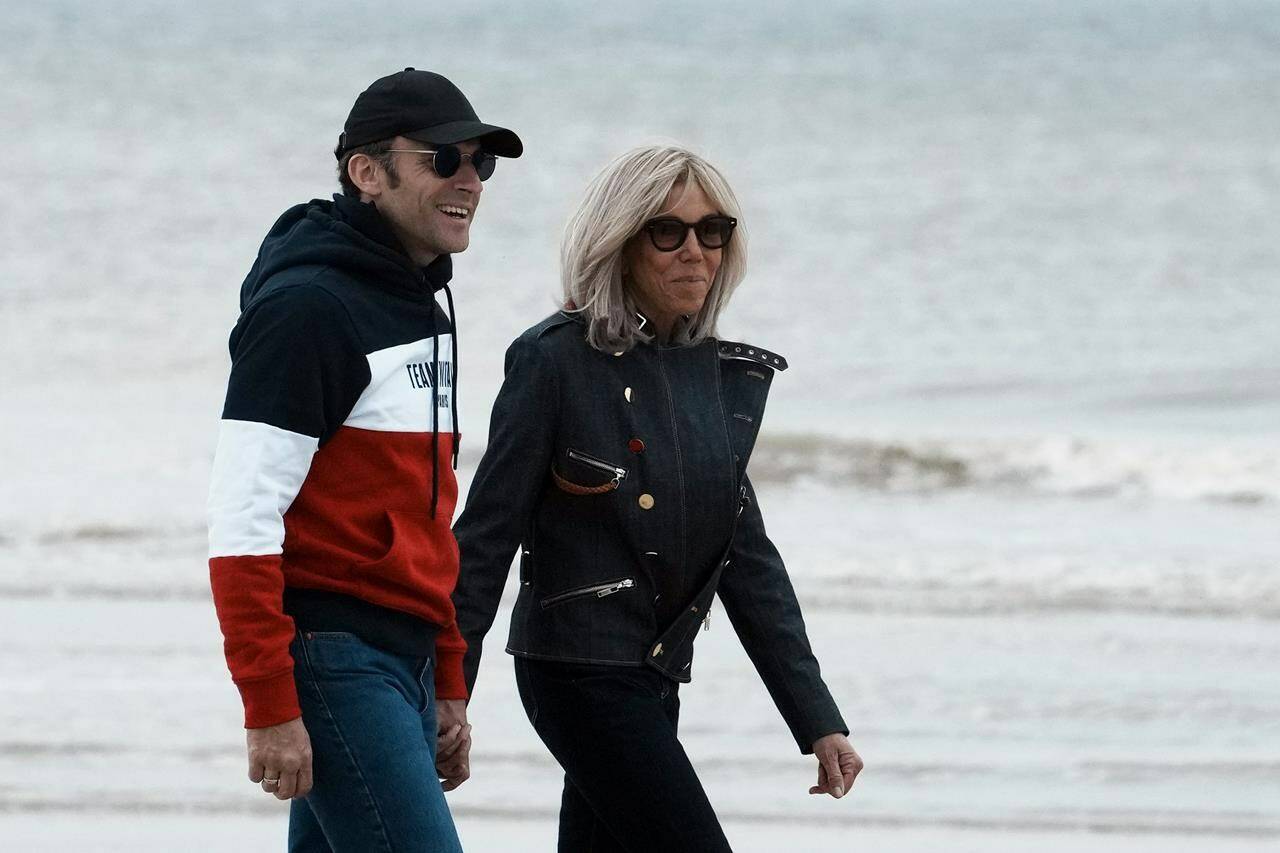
(1230, 824)
(1251, 594)
(98, 533)
(862, 593)
(157, 591)
(1101, 771)
(1059, 466)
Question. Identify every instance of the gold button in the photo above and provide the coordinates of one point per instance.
(646, 501)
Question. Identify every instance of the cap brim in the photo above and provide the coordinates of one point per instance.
(497, 140)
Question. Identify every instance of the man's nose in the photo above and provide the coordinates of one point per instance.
(467, 178)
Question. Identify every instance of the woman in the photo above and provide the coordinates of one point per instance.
(617, 455)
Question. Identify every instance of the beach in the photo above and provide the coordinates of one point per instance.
(1098, 744)
(1024, 467)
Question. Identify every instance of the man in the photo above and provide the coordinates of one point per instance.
(331, 555)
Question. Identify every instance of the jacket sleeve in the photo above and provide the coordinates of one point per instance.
(296, 371)
(761, 603)
(505, 491)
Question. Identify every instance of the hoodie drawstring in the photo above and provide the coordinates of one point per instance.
(435, 400)
(435, 420)
(453, 396)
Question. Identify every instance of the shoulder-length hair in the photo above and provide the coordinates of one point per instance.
(619, 200)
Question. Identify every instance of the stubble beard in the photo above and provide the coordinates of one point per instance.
(429, 240)
(444, 241)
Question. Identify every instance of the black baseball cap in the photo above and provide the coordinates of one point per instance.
(420, 105)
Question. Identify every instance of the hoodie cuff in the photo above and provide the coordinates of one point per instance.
(449, 681)
(269, 701)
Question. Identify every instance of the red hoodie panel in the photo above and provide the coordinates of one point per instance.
(352, 530)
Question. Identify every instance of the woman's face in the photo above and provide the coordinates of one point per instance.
(667, 285)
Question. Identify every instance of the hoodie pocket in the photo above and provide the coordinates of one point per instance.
(419, 550)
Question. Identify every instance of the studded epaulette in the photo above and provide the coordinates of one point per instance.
(746, 352)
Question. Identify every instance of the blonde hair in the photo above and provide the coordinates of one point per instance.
(619, 200)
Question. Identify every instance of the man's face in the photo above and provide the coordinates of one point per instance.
(431, 215)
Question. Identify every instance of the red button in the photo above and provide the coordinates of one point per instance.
(636, 445)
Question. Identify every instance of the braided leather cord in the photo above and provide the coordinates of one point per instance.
(575, 489)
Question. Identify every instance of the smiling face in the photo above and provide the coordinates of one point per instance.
(431, 215)
(668, 285)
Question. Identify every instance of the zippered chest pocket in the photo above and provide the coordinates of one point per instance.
(588, 465)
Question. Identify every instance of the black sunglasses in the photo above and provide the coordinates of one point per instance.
(668, 233)
(446, 160)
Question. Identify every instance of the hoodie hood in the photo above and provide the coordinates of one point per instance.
(348, 235)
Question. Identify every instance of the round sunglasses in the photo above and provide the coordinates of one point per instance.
(446, 160)
(667, 233)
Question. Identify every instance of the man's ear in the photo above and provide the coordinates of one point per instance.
(366, 174)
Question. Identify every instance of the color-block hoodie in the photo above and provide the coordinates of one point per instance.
(332, 483)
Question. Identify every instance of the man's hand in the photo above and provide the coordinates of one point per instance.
(280, 759)
(838, 765)
(453, 743)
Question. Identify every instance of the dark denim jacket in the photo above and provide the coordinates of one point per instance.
(623, 478)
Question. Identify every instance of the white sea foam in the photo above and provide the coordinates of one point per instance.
(1048, 465)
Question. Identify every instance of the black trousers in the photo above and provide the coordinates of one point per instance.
(628, 784)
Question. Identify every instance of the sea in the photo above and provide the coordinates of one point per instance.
(1023, 258)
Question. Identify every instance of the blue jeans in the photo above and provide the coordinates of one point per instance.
(371, 716)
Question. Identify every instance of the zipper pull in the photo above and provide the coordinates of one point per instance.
(706, 620)
(618, 474)
(617, 587)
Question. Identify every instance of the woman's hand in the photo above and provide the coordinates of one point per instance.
(838, 765)
(453, 743)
